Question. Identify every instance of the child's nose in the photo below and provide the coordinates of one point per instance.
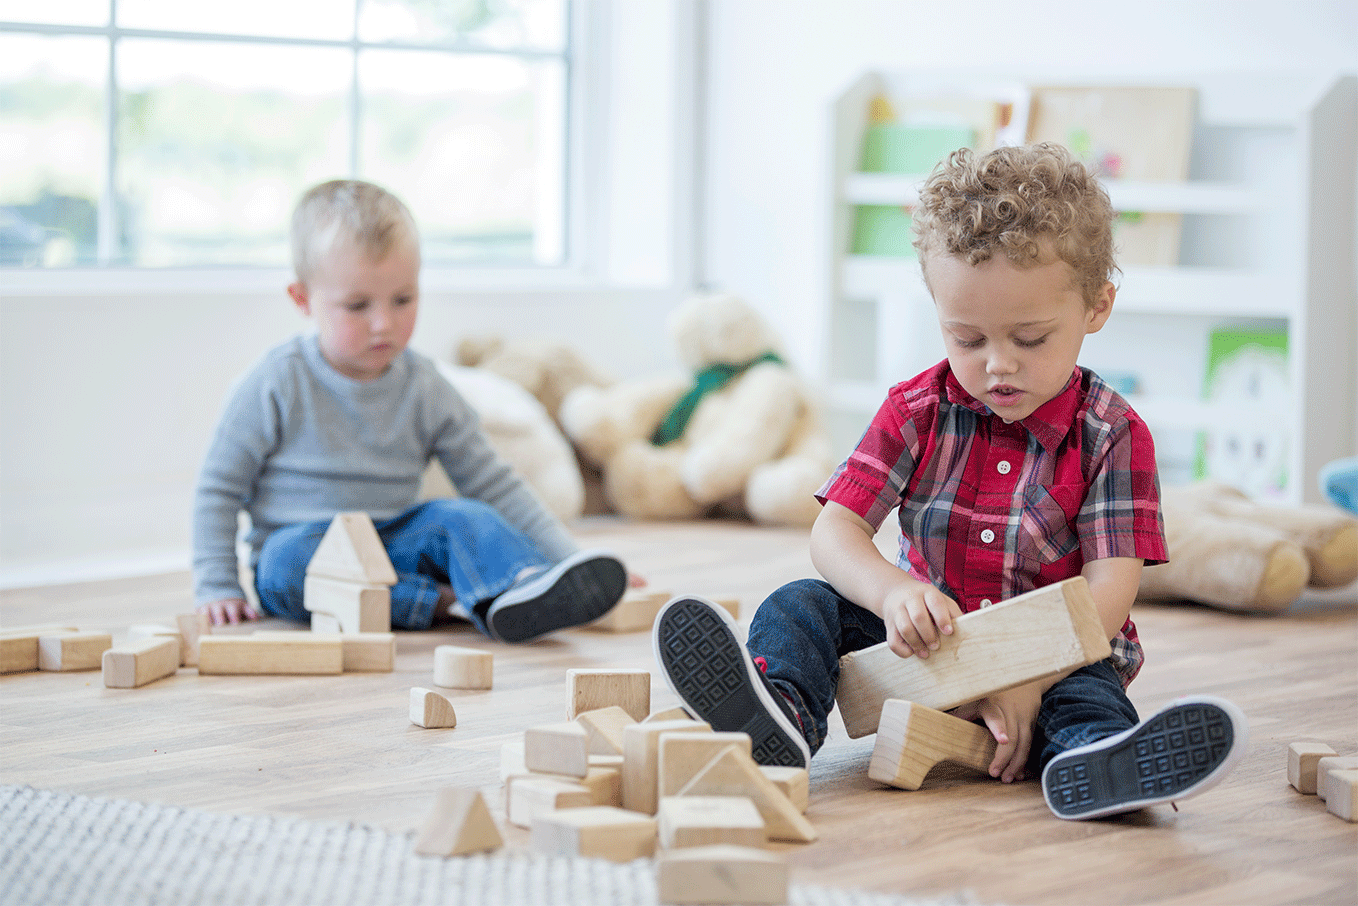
(1001, 361)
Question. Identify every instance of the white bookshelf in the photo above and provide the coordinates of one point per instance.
(1268, 241)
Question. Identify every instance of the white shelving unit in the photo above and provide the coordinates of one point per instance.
(1268, 241)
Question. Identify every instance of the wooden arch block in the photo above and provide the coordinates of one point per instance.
(430, 710)
(911, 739)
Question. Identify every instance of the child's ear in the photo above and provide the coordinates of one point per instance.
(1097, 315)
(299, 297)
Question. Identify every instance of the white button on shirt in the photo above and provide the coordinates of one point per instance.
(987, 535)
(1003, 467)
(986, 602)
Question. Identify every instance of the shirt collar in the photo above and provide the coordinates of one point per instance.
(1050, 423)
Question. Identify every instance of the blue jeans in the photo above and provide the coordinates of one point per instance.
(461, 543)
(804, 628)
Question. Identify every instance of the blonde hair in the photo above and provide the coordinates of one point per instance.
(1013, 201)
(347, 210)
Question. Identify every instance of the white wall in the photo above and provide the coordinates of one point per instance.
(774, 66)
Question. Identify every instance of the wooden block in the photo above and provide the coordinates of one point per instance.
(602, 782)
(600, 832)
(683, 755)
(459, 823)
(635, 612)
(641, 760)
(463, 668)
(19, 645)
(144, 661)
(192, 628)
(708, 821)
(67, 651)
(604, 726)
(139, 631)
(557, 749)
(794, 783)
(352, 551)
(723, 875)
(326, 624)
(1332, 763)
(1341, 793)
(364, 652)
(532, 796)
(1302, 758)
(1042, 633)
(248, 654)
(430, 710)
(733, 773)
(590, 690)
(356, 607)
(911, 739)
(668, 714)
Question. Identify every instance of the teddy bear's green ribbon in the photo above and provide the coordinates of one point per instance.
(713, 377)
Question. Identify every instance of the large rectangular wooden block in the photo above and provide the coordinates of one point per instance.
(1042, 633)
(143, 661)
(684, 755)
(601, 832)
(590, 690)
(249, 654)
(65, 651)
(19, 645)
(708, 821)
(722, 874)
(364, 652)
(557, 749)
(641, 760)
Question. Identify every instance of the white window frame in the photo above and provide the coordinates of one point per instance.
(632, 206)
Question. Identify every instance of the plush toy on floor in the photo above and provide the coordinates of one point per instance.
(739, 435)
(1229, 552)
(545, 368)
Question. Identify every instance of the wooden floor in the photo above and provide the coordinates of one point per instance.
(343, 747)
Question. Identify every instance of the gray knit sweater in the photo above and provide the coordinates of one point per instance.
(300, 442)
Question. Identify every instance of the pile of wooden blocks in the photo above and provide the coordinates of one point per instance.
(618, 782)
(1314, 769)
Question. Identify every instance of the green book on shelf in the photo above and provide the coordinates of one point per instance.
(882, 229)
(897, 148)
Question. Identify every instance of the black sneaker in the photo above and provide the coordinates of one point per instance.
(578, 590)
(700, 653)
(1180, 751)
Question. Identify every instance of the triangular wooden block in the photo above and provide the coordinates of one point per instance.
(734, 773)
(430, 710)
(460, 823)
(604, 726)
(352, 551)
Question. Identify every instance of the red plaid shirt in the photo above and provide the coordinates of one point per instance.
(990, 510)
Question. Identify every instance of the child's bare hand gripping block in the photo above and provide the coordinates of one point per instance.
(1041, 633)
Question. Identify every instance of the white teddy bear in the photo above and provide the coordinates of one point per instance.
(740, 434)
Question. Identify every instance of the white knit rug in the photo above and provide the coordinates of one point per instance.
(70, 850)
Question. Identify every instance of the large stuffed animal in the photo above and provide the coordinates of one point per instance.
(1232, 553)
(738, 435)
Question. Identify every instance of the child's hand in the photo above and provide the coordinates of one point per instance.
(229, 610)
(917, 616)
(1010, 716)
(635, 581)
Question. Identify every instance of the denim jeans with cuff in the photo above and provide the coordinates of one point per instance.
(804, 628)
(458, 542)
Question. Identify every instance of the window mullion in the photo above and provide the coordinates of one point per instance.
(106, 241)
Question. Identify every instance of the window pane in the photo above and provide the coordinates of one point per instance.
(329, 19)
(475, 145)
(217, 140)
(52, 149)
(507, 24)
(56, 12)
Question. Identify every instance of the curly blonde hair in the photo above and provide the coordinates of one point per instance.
(1015, 201)
(347, 210)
